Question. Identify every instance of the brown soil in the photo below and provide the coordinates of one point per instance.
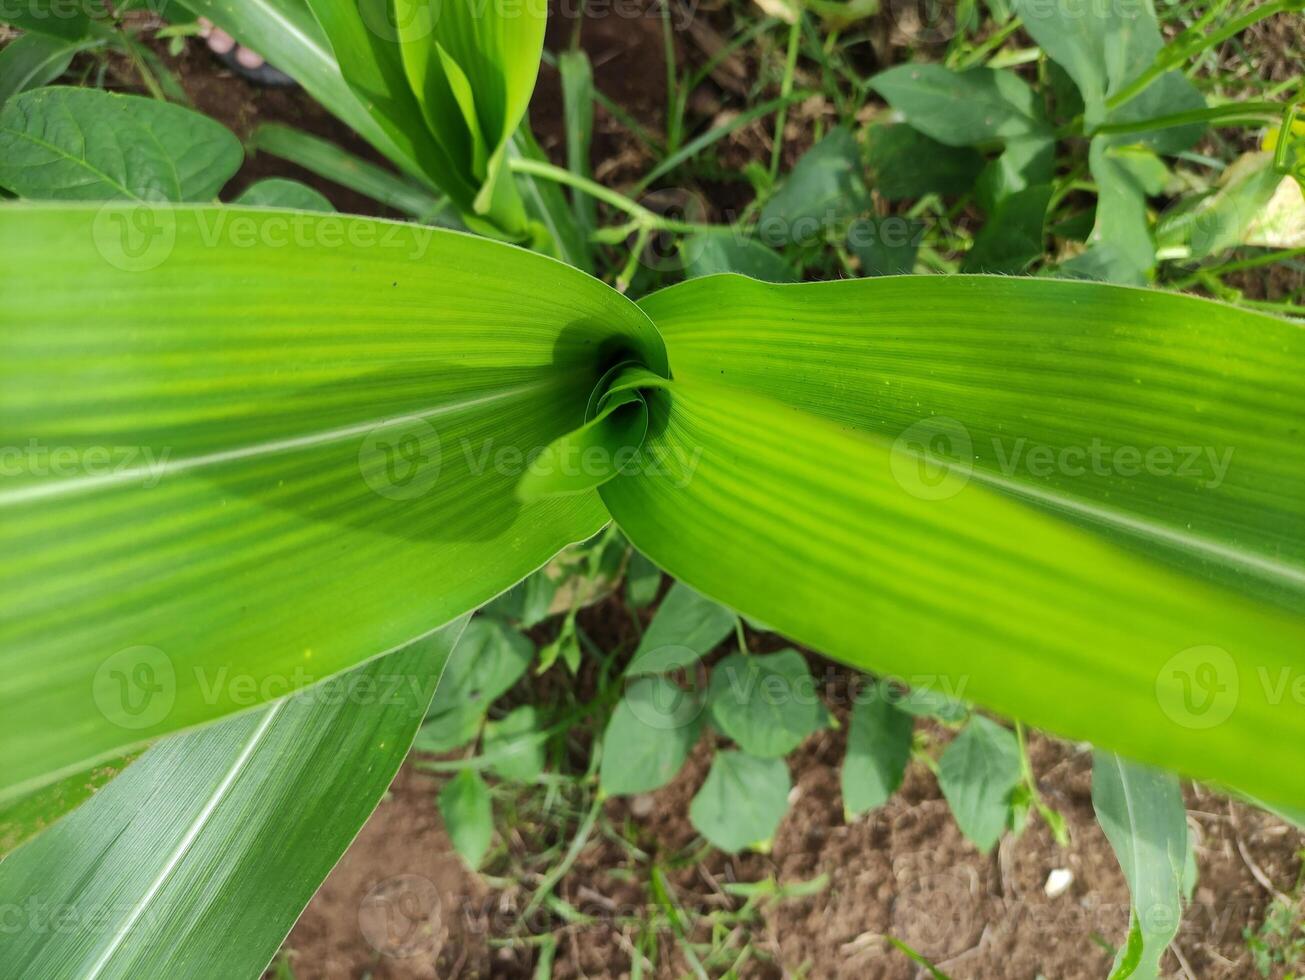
(903, 870)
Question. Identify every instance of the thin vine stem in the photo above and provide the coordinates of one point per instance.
(643, 217)
(1193, 41)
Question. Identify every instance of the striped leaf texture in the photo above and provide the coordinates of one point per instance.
(197, 860)
(245, 450)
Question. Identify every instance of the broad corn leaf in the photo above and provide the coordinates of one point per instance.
(364, 42)
(862, 465)
(1167, 421)
(269, 482)
(197, 860)
(1141, 811)
(829, 535)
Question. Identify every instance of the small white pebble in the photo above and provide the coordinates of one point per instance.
(642, 805)
(1058, 882)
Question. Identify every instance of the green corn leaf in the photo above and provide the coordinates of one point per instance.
(82, 144)
(23, 818)
(601, 448)
(368, 89)
(741, 802)
(577, 76)
(496, 46)
(878, 749)
(276, 192)
(364, 41)
(468, 815)
(767, 704)
(649, 736)
(889, 560)
(1141, 810)
(472, 70)
(1168, 595)
(329, 161)
(687, 625)
(274, 482)
(977, 773)
(219, 833)
(1054, 392)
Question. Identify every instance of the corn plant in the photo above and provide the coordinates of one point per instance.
(261, 464)
(438, 88)
(791, 451)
